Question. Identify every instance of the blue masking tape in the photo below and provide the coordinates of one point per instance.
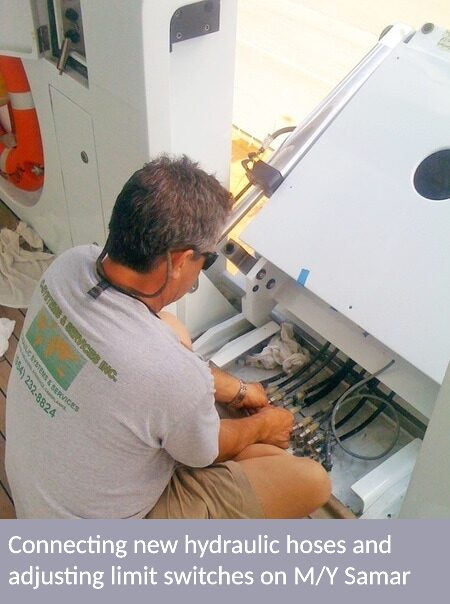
(301, 279)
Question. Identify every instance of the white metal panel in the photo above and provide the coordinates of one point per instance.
(203, 308)
(75, 137)
(18, 35)
(199, 68)
(379, 482)
(428, 495)
(244, 343)
(375, 249)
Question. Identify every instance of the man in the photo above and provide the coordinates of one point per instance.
(109, 414)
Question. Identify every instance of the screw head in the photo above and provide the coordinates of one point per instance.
(427, 28)
(179, 35)
(84, 157)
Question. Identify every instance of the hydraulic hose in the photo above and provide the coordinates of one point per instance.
(317, 392)
(384, 404)
(298, 383)
(274, 381)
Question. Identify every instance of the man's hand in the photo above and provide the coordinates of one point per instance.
(255, 397)
(277, 426)
(268, 425)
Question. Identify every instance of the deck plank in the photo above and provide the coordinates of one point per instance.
(7, 218)
(2, 414)
(9, 354)
(6, 507)
(15, 315)
(5, 370)
(3, 480)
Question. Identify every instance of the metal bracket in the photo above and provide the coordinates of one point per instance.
(43, 38)
(265, 176)
(194, 20)
(238, 255)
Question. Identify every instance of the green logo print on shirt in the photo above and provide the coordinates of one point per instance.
(61, 358)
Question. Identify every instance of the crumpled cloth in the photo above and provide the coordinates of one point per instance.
(20, 269)
(6, 329)
(282, 350)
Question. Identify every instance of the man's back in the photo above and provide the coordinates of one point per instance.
(102, 398)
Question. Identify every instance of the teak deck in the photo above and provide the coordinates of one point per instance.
(6, 503)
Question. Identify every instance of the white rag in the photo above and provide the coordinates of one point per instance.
(283, 349)
(20, 269)
(6, 329)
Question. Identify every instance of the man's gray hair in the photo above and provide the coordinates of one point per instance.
(170, 204)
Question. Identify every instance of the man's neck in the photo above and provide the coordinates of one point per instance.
(128, 279)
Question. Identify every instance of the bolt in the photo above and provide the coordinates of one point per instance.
(229, 248)
(261, 274)
(179, 35)
(71, 14)
(207, 27)
(427, 28)
(271, 283)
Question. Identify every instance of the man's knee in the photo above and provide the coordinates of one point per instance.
(287, 486)
(259, 450)
(310, 476)
(306, 480)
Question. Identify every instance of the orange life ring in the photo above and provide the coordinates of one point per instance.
(22, 164)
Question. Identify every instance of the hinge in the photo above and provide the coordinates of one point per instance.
(194, 20)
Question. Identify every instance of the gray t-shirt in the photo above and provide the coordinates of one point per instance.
(102, 401)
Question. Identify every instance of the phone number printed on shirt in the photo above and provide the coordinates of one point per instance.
(38, 396)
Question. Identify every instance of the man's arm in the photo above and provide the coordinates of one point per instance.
(227, 387)
(270, 425)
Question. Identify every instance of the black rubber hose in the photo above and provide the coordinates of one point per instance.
(275, 381)
(384, 403)
(319, 368)
(317, 392)
(364, 424)
(351, 413)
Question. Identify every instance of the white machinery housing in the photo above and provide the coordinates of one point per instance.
(353, 247)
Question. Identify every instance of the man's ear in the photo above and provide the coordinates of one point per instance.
(179, 259)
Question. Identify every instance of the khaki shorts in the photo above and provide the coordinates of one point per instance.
(218, 491)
